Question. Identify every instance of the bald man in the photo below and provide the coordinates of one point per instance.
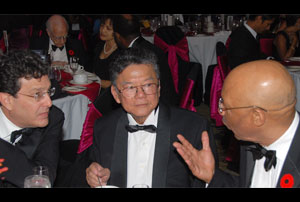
(59, 44)
(258, 105)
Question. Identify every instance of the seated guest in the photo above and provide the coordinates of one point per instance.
(286, 42)
(127, 34)
(104, 51)
(258, 105)
(26, 107)
(133, 145)
(244, 45)
(59, 44)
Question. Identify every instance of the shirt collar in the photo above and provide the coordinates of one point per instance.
(151, 119)
(130, 45)
(254, 34)
(7, 127)
(282, 144)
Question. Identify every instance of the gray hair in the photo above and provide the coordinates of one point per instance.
(131, 56)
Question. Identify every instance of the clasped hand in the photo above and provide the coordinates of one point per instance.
(96, 175)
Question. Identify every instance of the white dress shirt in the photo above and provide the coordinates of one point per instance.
(58, 55)
(7, 127)
(141, 147)
(269, 179)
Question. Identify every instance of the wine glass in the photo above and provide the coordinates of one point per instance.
(74, 64)
(55, 73)
(39, 179)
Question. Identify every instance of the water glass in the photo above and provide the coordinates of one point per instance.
(39, 179)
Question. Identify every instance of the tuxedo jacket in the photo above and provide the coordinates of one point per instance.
(243, 47)
(167, 92)
(41, 147)
(290, 169)
(109, 147)
(42, 43)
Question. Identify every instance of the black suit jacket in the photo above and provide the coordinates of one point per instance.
(243, 47)
(41, 147)
(42, 43)
(109, 147)
(167, 92)
(290, 166)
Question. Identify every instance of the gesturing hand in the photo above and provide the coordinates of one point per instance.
(201, 162)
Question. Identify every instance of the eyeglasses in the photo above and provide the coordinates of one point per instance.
(38, 96)
(58, 38)
(222, 109)
(131, 91)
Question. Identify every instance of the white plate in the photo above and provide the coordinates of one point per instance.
(294, 58)
(74, 83)
(74, 88)
(293, 67)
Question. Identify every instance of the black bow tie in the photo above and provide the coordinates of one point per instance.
(54, 47)
(17, 133)
(270, 156)
(134, 128)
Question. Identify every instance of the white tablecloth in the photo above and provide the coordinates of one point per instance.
(202, 49)
(75, 109)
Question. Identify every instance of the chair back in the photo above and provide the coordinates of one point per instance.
(173, 42)
(220, 72)
(266, 46)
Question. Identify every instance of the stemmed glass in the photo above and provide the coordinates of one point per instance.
(74, 64)
(55, 73)
(39, 179)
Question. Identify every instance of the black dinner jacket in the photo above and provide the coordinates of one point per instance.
(167, 92)
(41, 147)
(290, 166)
(243, 47)
(42, 43)
(109, 147)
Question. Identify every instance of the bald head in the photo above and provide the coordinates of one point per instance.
(56, 21)
(264, 83)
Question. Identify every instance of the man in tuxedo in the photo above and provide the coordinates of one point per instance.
(258, 105)
(127, 34)
(26, 107)
(133, 144)
(244, 41)
(59, 44)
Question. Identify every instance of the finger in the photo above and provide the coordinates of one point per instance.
(184, 141)
(205, 141)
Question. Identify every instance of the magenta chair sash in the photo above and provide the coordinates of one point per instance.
(181, 49)
(86, 138)
(266, 46)
(187, 101)
(220, 72)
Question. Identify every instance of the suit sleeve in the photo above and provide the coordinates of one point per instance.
(46, 153)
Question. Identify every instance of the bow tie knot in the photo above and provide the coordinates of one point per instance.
(135, 128)
(258, 152)
(17, 133)
(54, 47)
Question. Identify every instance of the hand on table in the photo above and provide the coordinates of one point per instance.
(201, 162)
(95, 174)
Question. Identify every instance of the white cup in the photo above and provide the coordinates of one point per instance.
(80, 78)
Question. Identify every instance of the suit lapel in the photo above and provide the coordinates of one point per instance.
(119, 157)
(162, 148)
(290, 170)
(249, 168)
(29, 143)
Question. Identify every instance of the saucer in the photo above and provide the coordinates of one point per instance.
(74, 88)
(74, 83)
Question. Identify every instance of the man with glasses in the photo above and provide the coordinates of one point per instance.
(31, 127)
(258, 105)
(58, 44)
(133, 144)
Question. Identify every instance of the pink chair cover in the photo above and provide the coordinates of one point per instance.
(220, 72)
(187, 101)
(2, 45)
(181, 49)
(227, 43)
(82, 38)
(266, 46)
(86, 138)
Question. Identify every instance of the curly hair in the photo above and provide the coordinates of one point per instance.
(20, 64)
(130, 56)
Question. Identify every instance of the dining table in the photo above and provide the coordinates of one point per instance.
(76, 105)
(202, 48)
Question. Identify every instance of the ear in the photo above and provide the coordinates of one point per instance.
(6, 100)
(259, 117)
(115, 94)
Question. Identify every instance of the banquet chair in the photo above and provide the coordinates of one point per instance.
(219, 75)
(220, 50)
(266, 46)
(103, 104)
